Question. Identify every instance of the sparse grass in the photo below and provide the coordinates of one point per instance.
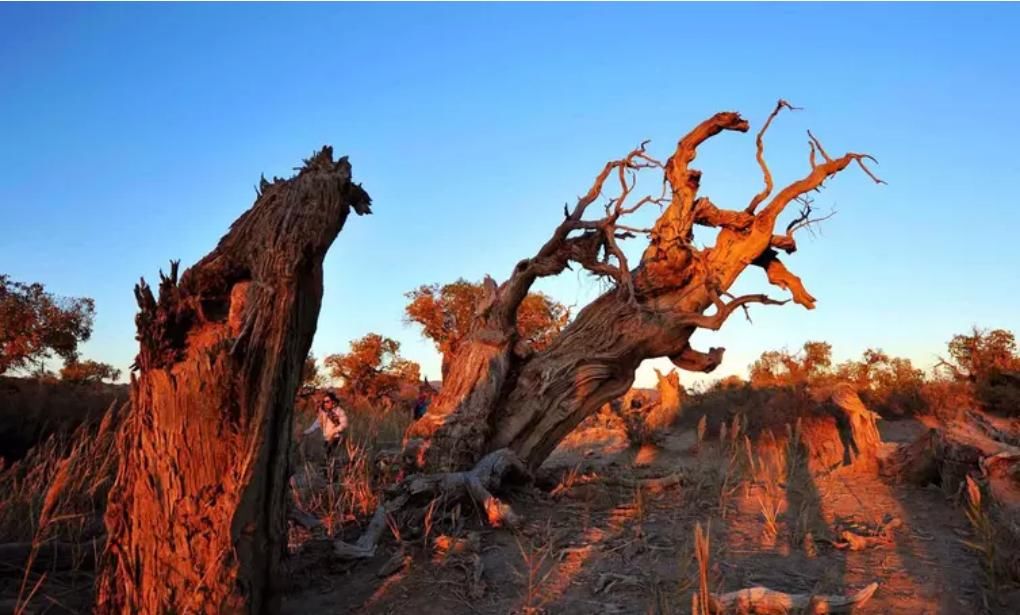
(56, 495)
(58, 491)
(701, 601)
(535, 572)
(770, 508)
(345, 489)
(985, 538)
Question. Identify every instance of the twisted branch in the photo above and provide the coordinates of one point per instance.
(760, 155)
(695, 361)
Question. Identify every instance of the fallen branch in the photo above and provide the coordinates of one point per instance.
(608, 580)
(477, 483)
(854, 541)
(765, 601)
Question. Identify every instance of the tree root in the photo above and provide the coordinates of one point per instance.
(477, 484)
(765, 601)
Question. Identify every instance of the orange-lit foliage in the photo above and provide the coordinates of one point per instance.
(782, 368)
(88, 372)
(446, 312)
(888, 385)
(373, 370)
(35, 325)
(987, 364)
(981, 353)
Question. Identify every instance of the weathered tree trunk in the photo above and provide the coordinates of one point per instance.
(196, 520)
(497, 394)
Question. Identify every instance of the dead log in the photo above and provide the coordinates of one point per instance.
(196, 520)
(765, 601)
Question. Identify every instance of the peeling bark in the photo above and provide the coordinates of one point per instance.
(196, 520)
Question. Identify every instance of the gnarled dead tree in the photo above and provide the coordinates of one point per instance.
(499, 394)
(196, 520)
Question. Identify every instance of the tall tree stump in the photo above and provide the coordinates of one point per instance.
(196, 519)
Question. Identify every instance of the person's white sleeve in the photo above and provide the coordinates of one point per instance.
(316, 425)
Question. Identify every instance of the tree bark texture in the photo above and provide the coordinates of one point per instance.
(196, 520)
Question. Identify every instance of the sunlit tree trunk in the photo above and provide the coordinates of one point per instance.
(196, 520)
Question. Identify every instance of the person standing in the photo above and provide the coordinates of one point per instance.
(421, 405)
(332, 420)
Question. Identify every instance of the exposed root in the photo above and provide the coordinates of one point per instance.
(365, 547)
(766, 601)
(477, 483)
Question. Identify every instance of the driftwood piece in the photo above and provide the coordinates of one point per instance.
(765, 601)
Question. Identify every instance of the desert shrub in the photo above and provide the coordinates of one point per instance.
(947, 399)
(888, 385)
(987, 362)
(88, 372)
(373, 370)
(999, 392)
(763, 406)
(891, 386)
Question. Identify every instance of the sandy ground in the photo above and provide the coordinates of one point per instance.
(596, 545)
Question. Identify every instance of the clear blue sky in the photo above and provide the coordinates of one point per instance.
(134, 134)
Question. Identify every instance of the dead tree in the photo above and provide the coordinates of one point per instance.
(667, 410)
(499, 394)
(196, 520)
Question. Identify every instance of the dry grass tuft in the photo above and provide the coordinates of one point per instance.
(55, 497)
(58, 491)
(701, 601)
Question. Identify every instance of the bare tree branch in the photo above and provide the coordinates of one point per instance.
(695, 361)
(813, 181)
(782, 277)
(723, 311)
(760, 142)
(707, 214)
(685, 181)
